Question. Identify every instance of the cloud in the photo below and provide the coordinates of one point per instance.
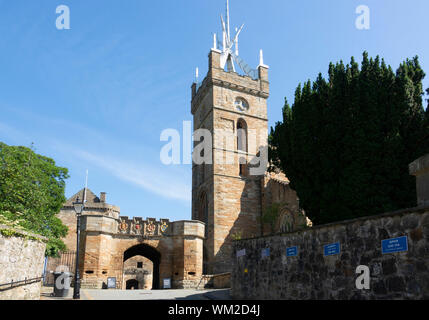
(13, 134)
(148, 178)
(166, 181)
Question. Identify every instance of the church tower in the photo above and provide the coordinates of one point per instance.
(226, 192)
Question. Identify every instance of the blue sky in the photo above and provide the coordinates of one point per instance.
(98, 96)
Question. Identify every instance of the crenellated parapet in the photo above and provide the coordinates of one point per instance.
(147, 228)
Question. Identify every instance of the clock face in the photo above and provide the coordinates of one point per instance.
(241, 105)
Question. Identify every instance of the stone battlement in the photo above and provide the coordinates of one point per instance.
(218, 77)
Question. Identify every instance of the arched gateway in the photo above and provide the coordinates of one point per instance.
(151, 254)
(108, 240)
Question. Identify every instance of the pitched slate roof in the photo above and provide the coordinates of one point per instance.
(90, 197)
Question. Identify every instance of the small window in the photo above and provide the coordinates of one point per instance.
(139, 265)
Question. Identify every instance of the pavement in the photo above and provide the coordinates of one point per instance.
(170, 294)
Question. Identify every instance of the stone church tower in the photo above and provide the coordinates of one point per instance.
(231, 187)
(225, 195)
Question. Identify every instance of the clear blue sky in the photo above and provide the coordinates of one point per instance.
(97, 96)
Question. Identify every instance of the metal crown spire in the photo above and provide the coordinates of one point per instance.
(227, 44)
(228, 55)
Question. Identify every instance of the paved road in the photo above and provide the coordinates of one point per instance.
(179, 294)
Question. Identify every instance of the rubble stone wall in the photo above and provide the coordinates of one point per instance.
(20, 259)
(259, 273)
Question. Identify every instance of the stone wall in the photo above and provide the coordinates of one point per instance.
(312, 275)
(187, 267)
(216, 281)
(21, 259)
(142, 273)
(222, 280)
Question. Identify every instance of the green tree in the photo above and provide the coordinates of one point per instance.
(347, 141)
(32, 193)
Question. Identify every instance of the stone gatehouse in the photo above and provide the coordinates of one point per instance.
(138, 253)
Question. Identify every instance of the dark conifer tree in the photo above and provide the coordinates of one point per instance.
(347, 141)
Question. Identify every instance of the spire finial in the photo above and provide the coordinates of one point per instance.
(214, 42)
(261, 59)
(227, 18)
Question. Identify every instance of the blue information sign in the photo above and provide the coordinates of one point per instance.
(331, 249)
(394, 245)
(265, 252)
(291, 252)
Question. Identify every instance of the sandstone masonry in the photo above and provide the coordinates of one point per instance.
(225, 196)
(111, 245)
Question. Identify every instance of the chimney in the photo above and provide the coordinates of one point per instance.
(103, 197)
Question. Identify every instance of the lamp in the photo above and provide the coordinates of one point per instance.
(78, 208)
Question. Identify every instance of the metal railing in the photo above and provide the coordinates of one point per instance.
(65, 259)
(14, 284)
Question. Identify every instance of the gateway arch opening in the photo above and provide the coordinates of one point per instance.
(151, 254)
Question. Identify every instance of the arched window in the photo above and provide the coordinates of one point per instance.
(241, 135)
